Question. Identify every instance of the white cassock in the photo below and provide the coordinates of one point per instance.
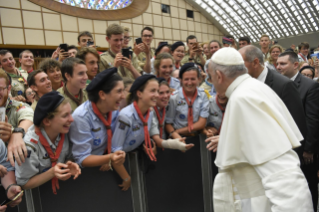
(258, 170)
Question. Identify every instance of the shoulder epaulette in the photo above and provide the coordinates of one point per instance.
(123, 122)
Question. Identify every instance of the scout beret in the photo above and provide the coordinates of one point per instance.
(160, 46)
(160, 79)
(141, 81)
(176, 45)
(228, 56)
(186, 67)
(101, 78)
(46, 104)
(308, 67)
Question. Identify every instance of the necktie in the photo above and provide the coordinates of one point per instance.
(160, 120)
(190, 110)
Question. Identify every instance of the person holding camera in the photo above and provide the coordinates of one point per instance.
(127, 64)
(195, 52)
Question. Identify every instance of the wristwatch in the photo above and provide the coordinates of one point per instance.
(190, 59)
(19, 130)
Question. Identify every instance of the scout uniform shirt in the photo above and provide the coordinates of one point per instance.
(129, 132)
(19, 82)
(71, 101)
(186, 59)
(177, 113)
(18, 111)
(155, 125)
(215, 114)
(3, 157)
(88, 133)
(142, 57)
(38, 160)
(107, 61)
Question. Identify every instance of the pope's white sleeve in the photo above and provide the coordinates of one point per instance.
(285, 185)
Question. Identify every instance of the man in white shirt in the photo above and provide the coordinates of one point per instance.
(258, 170)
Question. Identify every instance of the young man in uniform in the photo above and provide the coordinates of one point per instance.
(92, 59)
(26, 59)
(75, 77)
(40, 83)
(194, 53)
(264, 43)
(53, 69)
(244, 41)
(20, 117)
(83, 38)
(18, 78)
(140, 50)
(113, 57)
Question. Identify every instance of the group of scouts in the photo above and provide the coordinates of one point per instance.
(108, 117)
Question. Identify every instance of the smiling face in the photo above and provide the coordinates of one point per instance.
(213, 47)
(116, 42)
(113, 99)
(179, 53)
(126, 39)
(62, 120)
(275, 52)
(8, 63)
(149, 95)
(163, 96)
(92, 64)
(27, 59)
(55, 75)
(147, 37)
(190, 81)
(165, 68)
(42, 84)
(79, 77)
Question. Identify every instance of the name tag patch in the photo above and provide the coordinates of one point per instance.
(136, 127)
(96, 130)
(181, 103)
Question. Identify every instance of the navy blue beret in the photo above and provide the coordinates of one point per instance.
(101, 78)
(160, 46)
(141, 81)
(176, 45)
(46, 104)
(186, 67)
(160, 79)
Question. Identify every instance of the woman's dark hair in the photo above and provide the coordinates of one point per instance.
(107, 87)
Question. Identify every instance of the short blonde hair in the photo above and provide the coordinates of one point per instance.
(264, 36)
(126, 29)
(202, 44)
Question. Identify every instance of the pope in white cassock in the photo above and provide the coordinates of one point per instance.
(258, 170)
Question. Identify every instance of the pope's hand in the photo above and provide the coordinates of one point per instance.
(213, 143)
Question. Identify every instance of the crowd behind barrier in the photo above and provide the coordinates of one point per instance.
(136, 128)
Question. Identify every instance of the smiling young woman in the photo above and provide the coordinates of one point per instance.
(47, 144)
(178, 53)
(164, 66)
(188, 106)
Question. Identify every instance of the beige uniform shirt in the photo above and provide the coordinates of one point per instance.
(73, 103)
(186, 57)
(107, 61)
(18, 111)
(19, 83)
(142, 57)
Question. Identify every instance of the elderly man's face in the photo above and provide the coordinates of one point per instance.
(217, 80)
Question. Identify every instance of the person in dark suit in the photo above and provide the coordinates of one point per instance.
(283, 87)
(308, 89)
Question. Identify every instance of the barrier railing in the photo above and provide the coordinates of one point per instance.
(176, 182)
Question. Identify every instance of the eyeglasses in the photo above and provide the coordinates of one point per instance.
(2, 89)
(127, 38)
(30, 93)
(149, 36)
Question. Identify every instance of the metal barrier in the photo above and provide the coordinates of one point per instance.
(176, 182)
